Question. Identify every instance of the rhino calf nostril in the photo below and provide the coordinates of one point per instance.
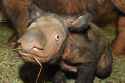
(19, 43)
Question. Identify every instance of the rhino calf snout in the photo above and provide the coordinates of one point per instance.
(32, 40)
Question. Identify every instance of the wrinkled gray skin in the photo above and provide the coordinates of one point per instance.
(43, 39)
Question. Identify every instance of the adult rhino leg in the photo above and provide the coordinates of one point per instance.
(119, 43)
(16, 12)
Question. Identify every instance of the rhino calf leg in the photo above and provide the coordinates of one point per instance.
(86, 73)
(59, 77)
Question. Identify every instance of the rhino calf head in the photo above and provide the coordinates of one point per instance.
(43, 40)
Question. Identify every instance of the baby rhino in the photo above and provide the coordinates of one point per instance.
(87, 53)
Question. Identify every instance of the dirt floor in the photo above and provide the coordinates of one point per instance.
(11, 66)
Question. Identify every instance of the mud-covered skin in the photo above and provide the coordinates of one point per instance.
(44, 39)
(88, 55)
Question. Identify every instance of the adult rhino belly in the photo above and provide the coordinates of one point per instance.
(62, 7)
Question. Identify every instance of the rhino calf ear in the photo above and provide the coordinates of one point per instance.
(81, 23)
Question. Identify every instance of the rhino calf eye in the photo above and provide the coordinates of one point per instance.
(57, 37)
